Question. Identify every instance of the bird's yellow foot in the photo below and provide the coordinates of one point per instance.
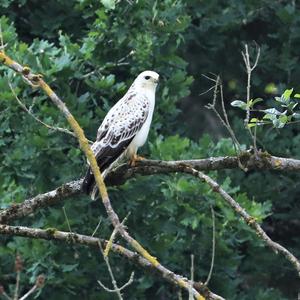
(134, 159)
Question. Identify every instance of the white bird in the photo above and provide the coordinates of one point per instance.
(125, 128)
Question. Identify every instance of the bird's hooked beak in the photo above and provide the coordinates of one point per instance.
(156, 80)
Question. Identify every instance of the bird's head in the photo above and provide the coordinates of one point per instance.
(147, 79)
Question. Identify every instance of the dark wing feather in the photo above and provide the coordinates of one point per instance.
(105, 157)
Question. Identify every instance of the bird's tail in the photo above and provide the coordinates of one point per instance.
(88, 185)
(106, 159)
(88, 181)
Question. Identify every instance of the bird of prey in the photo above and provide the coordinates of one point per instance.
(125, 127)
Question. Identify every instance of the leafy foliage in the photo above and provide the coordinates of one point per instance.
(90, 51)
(272, 115)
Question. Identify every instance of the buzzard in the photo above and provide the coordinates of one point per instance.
(125, 127)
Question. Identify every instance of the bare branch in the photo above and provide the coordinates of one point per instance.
(53, 234)
(31, 291)
(250, 221)
(2, 46)
(43, 200)
(122, 287)
(113, 236)
(116, 289)
(97, 227)
(249, 69)
(4, 294)
(18, 269)
(124, 172)
(39, 282)
(223, 119)
(192, 277)
(54, 128)
(213, 246)
(37, 80)
(17, 286)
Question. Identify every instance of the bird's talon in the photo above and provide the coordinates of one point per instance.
(135, 159)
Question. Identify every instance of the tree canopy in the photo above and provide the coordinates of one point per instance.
(89, 52)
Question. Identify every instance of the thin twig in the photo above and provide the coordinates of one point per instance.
(31, 291)
(213, 246)
(37, 79)
(2, 46)
(191, 297)
(39, 282)
(17, 286)
(111, 274)
(113, 236)
(250, 221)
(229, 128)
(116, 289)
(179, 294)
(97, 227)
(249, 69)
(6, 296)
(54, 128)
(119, 63)
(121, 288)
(67, 219)
(224, 120)
(133, 257)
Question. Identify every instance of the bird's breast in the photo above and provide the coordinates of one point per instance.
(141, 136)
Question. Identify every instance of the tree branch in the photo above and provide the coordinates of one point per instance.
(29, 206)
(263, 161)
(153, 167)
(250, 221)
(74, 238)
(149, 167)
(36, 80)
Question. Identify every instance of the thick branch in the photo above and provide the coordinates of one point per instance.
(37, 81)
(263, 161)
(29, 206)
(74, 238)
(153, 167)
(150, 167)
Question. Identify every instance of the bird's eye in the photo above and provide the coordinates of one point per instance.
(147, 77)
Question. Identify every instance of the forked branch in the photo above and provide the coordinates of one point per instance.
(37, 80)
(74, 238)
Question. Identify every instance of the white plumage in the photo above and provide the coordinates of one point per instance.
(126, 126)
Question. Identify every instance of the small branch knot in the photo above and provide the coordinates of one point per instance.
(26, 71)
(40, 280)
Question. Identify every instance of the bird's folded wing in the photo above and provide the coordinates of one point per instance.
(117, 130)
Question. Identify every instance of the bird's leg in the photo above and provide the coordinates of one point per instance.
(134, 158)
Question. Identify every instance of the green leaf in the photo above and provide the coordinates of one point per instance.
(240, 104)
(296, 115)
(109, 4)
(68, 268)
(272, 111)
(292, 106)
(297, 95)
(287, 95)
(271, 88)
(253, 102)
(269, 117)
(278, 123)
(252, 122)
(283, 119)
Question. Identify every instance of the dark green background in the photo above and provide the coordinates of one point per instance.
(90, 54)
